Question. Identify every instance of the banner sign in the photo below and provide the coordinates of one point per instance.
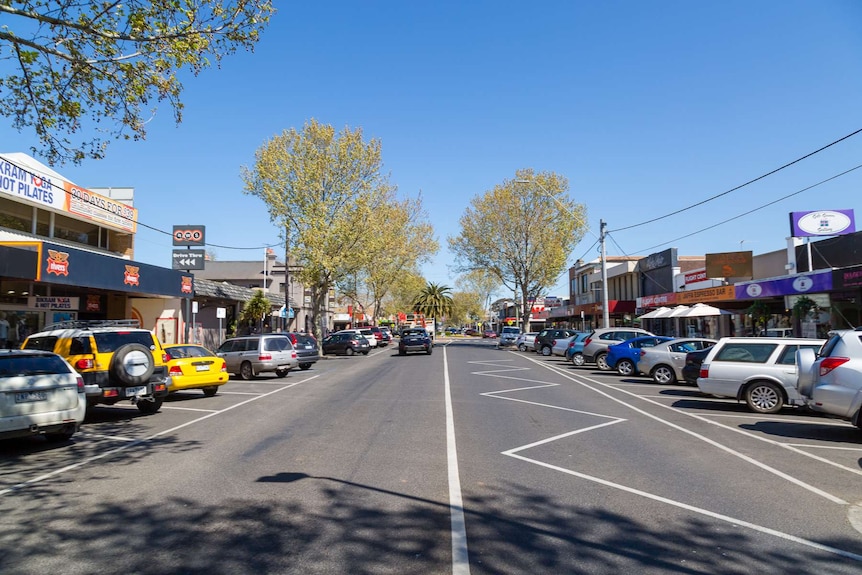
(847, 278)
(719, 293)
(658, 300)
(822, 223)
(696, 276)
(729, 265)
(53, 302)
(793, 285)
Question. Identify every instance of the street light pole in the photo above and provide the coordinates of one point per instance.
(605, 312)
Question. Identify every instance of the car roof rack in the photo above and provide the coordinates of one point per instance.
(85, 323)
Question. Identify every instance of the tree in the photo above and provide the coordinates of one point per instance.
(760, 313)
(521, 232)
(255, 310)
(327, 193)
(435, 300)
(74, 64)
(484, 284)
(466, 305)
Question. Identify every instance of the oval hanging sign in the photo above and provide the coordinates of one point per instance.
(822, 223)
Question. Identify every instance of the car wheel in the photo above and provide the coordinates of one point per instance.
(602, 362)
(625, 367)
(210, 390)
(663, 375)
(281, 372)
(429, 351)
(366, 352)
(402, 352)
(304, 366)
(245, 371)
(546, 350)
(348, 351)
(149, 405)
(764, 397)
(132, 364)
(522, 347)
(578, 359)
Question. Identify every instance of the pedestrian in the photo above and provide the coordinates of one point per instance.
(5, 342)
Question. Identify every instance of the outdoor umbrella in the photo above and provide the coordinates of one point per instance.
(656, 313)
(703, 310)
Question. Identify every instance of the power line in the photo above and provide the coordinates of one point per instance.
(752, 210)
(121, 216)
(797, 160)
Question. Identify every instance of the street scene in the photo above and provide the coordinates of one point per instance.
(347, 468)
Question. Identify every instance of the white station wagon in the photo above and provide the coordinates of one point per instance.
(40, 394)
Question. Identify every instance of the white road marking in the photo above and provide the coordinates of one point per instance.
(178, 408)
(237, 393)
(111, 437)
(458, 526)
(129, 445)
(855, 513)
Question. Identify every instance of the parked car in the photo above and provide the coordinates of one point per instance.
(624, 356)
(575, 351)
(525, 341)
(378, 335)
(40, 394)
(387, 332)
(693, 361)
(470, 331)
(758, 370)
(364, 332)
(306, 348)
(561, 345)
(347, 343)
(597, 343)
(545, 339)
(252, 355)
(831, 382)
(665, 362)
(509, 335)
(415, 339)
(489, 333)
(116, 359)
(195, 367)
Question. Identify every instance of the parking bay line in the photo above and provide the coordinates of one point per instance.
(129, 445)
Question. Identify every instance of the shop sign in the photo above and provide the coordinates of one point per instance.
(132, 275)
(186, 285)
(822, 223)
(720, 293)
(847, 278)
(53, 302)
(792, 285)
(58, 263)
(94, 303)
(696, 276)
(729, 265)
(657, 300)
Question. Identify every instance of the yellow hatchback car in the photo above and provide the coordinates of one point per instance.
(195, 367)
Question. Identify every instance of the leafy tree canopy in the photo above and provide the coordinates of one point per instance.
(74, 68)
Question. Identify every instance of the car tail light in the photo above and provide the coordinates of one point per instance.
(160, 387)
(293, 354)
(84, 363)
(553, 342)
(704, 371)
(165, 357)
(265, 357)
(572, 343)
(223, 366)
(643, 352)
(175, 370)
(587, 341)
(830, 363)
(80, 384)
(110, 393)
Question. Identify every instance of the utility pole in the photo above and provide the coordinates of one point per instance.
(606, 321)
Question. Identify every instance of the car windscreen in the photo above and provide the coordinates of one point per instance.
(110, 341)
(17, 365)
(43, 343)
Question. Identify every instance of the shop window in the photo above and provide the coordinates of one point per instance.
(78, 231)
(16, 216)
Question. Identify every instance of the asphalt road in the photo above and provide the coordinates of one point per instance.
(470, 460)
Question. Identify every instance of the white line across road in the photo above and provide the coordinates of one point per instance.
(515, 453)
(131, 444)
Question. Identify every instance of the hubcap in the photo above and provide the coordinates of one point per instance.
(764, 397)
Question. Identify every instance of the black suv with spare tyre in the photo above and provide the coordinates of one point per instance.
(116, 359)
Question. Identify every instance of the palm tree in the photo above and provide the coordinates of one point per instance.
(434, 301)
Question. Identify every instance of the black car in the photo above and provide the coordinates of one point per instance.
(414, 339)
(693, 360)
(544, 343)
(346, 343)
(306, 348)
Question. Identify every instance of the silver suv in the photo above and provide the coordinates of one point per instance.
(758, 370)
(597, 343)
(509, 336)
(254, 354)
(831, 382)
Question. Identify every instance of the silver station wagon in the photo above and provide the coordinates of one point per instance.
(255, 354)
(758, 370)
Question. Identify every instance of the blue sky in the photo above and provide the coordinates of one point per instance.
(646, 107)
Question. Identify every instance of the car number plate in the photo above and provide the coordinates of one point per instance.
(28, 396)
(202, 367)
(136, 391)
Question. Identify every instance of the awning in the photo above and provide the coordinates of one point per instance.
(704, 310)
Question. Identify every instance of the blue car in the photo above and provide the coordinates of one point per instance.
(624, 356)
(575, 351)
